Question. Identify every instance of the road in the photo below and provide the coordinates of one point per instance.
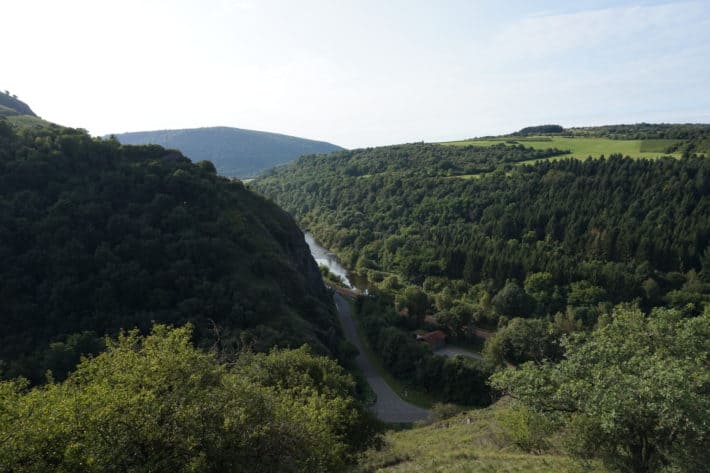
(455, 351)
(389, 406)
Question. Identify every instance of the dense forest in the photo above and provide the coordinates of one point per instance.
(558, 242)
(234, 152)
(96, 237)
(592, 278)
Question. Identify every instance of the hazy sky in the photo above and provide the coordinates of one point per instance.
(357, 73)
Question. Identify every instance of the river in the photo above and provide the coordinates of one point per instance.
(325, 258)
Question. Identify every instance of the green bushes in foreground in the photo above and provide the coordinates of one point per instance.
(158, 404)
(633, 392)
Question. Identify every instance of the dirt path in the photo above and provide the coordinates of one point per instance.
(389, 406)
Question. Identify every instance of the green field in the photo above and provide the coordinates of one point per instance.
(472, 441)
(581, 148)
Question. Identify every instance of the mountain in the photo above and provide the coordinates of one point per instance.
(11, 105)
(96, 236)
(235, 152)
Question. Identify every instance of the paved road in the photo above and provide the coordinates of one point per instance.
(455, 351)
(389, 407)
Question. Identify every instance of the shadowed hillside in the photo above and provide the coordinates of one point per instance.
(96, 236)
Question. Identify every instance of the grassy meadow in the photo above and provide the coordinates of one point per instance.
(581, 148)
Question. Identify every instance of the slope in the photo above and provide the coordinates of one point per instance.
(11, 105)
(473, 441)
(96, 236)
(540, 249)
(235, 152)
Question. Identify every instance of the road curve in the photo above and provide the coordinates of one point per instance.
(389, 406)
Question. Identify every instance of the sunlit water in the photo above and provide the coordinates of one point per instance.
(325, 258)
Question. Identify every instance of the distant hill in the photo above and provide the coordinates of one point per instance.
(234, 152)
(11, 105)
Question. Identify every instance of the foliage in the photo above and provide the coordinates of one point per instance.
(634, 391)
(458, 379)
(590, 234)
(539, 130)
(524, 340)
(528, 430)
(96, 236)
(156, 403)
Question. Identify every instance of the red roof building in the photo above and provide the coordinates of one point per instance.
(435, 339)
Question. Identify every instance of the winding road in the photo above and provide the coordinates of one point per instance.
(389, 406)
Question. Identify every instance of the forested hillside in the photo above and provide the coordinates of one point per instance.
(564, 263)
(96, 236)
(234, 152)
(558, 241)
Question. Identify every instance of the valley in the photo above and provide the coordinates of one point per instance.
(487, 304)
(243, 236)
(590, 246)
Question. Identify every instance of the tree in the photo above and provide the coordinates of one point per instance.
(415, 301)
(634, 392)
(157, 403)
(540, 286)
(523, 340)
(512, 301)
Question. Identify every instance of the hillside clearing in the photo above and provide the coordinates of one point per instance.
(581, 148)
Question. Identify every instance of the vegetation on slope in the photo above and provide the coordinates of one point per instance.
(561, 242)
(234, 152)
(96, 236)
(19, 114)
(498, 439)
(633, 392)
(157, 403)
(11, 105)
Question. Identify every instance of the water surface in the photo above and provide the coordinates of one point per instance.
(325, 258)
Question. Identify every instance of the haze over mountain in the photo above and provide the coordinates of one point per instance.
(235, 152)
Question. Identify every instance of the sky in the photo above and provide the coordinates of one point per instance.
(357, 73)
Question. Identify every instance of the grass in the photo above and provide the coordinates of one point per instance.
(472, 441)
(409, 394)
(28, 121)
(581, 148)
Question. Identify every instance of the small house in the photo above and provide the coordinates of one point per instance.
(435, 339)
